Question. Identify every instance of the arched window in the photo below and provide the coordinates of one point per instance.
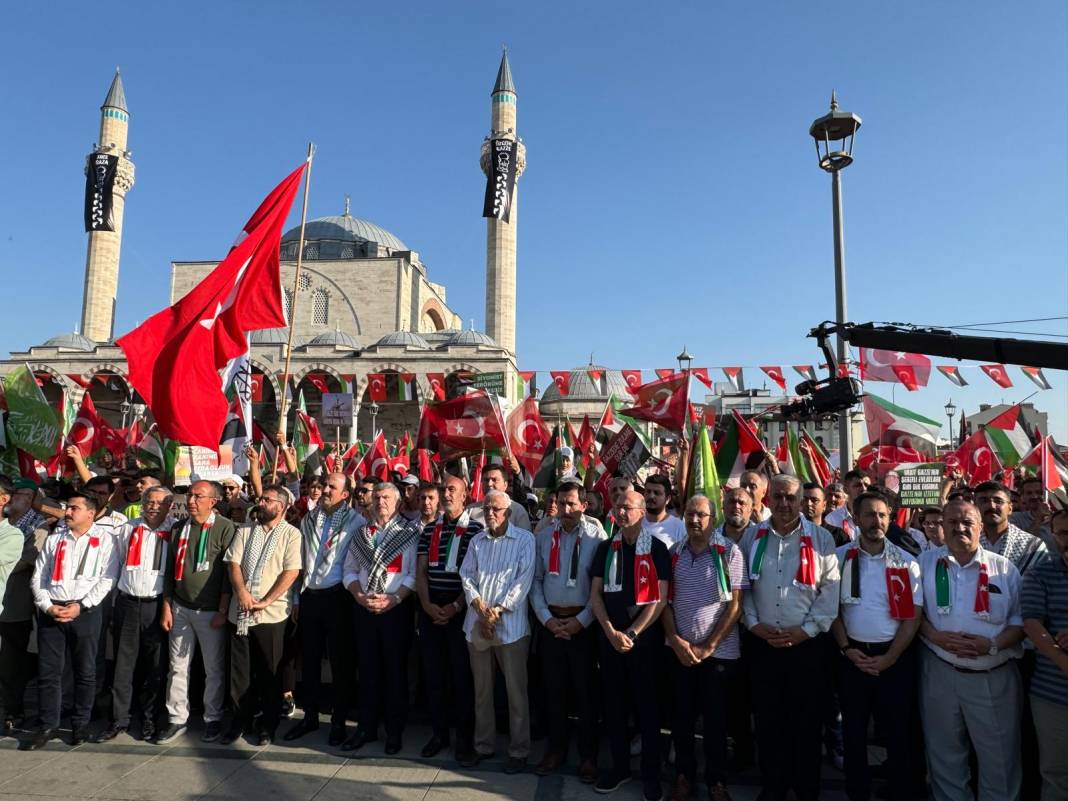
(305, 281)
(287, 304)
(320, 307)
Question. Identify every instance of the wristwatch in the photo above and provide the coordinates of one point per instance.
(632, 635)
(993, 648)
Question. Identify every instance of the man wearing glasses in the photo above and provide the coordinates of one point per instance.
(263, 562)
(196, 596)
(364, 487)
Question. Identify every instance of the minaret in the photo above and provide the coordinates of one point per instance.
(102, 254)
(500, 235)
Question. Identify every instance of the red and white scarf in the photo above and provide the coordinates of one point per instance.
(944, 592)
(646, 581)
(183, 546)
(806, 568)
(137, 543)
(59, 558)
(898, 581)
(452, 550)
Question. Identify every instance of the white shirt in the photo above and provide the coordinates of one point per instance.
(90, 584)
(405, 577)
(869, 620)
(144, 580)
(1004, 588)
(324, 566)
(670, 531)
(842, 518)
(500, 570)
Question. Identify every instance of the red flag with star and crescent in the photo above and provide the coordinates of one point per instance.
(175, 357)
(527, 434)
(437, 385)
(774, 372)
(665, 402)
(633, 379)
(466, 425)
(910, 369)
(997, 374)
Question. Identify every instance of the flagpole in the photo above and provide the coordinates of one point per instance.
(293, 303)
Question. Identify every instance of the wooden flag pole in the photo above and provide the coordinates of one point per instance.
(293, 303)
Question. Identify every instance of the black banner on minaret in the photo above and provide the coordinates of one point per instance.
(99, 183)
(500, 180)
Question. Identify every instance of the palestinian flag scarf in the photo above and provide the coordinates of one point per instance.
(554, 554)
(806, 568)
(452, 549)
(202, 547)
(646, 581)
(944, 593)
(898, 581)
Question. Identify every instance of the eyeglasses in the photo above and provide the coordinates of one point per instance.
(202, 497)
(498, 509)
(266, 499)
(629, 508)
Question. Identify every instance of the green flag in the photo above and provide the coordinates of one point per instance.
(703, 477)
(32, 424)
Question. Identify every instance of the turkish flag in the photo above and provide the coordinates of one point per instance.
(882, 365)
(585, 440)
(318, 380)
(975, 458)
(257, 387)
(375, 461)
(899, 592)
(376, 386)
(562, 379)
(468, 424)
(906, 374)
(775, 374)
(664, 372)
(89, 433)
(701, 374)
(437, 385)
(175, 357)
(664, 402)
(527, 434)
(633, 379)
(997, 374)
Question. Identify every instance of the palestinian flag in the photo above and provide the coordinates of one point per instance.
(307, 440)
(817, 463)
(738, 449)
(789, 455)
(703, 478)
(1008, 437)
(1046, 462)
(268, 449)
(549, 469)
(406, 386)
(893, 425)
(234, 436)
(155, 450)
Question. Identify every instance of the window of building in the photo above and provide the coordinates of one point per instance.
(287, 303)
(320, 307)
(311, 252)
(305, 281)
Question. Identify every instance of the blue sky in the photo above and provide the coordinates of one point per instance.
(672, 194)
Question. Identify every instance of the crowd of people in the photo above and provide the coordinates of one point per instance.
(799, 622)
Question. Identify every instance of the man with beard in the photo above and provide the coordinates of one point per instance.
(325, 608)
(793, 573)
(143, 561)
(855, 482)
(813, 506)
(494, 477)
(879, 614)
(1001, 536)
(442, 645)
(196, 597)
(380, 574)
(560, 598)
(72, 576)
(660, 523)
(263, 561)
(701, 624)
(628, 591)
(1033, 515)
(969, 683)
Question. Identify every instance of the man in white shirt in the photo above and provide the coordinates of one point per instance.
(757, 484)
(969, 683)
(879, 615)
(496, 576)
(73, 575)
(494, 477)
(380, 574)
(855, 482)
(143, 557)
(325, 608)
(667, 528)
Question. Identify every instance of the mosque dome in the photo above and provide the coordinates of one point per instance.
(336, 339)
(272, 336)
(403, 339)
(71, 341)
(472, 337)
(340, 237)
(584, 387)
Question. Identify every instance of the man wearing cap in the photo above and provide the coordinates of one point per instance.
(73, 574)
(237, 504)
(560, 598)
(16, 616)
(196, 597)
(325, 608)
(494, 477)
(409, 487)
(142, 556)
(263, 561)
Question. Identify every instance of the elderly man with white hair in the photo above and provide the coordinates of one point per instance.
(496, 576)
(380, 574)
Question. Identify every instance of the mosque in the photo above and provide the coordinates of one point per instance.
(365, 304)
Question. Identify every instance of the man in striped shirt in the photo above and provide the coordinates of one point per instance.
(1045, 612)
(701, 624)
(496, 575)
(442, 644)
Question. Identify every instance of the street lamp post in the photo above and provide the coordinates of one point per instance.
(834, 133)
(684, 359)
(373, 410)
(950, 411)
